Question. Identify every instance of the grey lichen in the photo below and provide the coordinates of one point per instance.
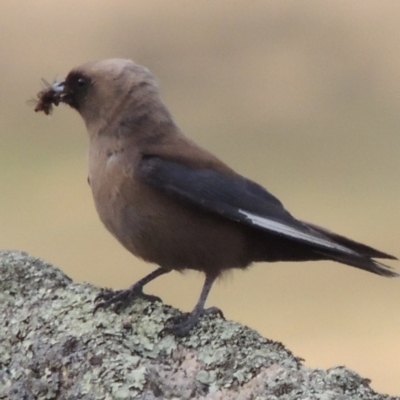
(52, 346)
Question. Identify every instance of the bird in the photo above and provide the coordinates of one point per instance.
(170, 202)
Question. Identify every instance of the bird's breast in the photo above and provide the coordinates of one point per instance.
(111, 176)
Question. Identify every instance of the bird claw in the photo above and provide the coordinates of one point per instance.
(183, 323)
(214, 311)
(121, 299)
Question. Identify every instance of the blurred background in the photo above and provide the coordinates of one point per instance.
(303, 97)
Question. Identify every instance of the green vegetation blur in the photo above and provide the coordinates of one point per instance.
(303, 97)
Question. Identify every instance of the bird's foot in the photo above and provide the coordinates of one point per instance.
(182, 324)
(121, 299)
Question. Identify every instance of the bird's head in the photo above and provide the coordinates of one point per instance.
(104, 90)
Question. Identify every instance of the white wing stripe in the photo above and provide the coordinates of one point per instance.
(292, 232)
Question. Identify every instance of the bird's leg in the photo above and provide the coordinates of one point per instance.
(182, 324)
(122, 298)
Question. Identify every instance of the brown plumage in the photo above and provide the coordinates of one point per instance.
(170, 202)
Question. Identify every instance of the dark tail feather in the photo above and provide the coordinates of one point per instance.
(361, 262)
(364, 257)
(360, 248)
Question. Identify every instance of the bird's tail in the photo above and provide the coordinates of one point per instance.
(363, 257)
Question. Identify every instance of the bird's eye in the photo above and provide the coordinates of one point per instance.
(82, 82)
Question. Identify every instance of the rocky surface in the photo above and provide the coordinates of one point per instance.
(53, 347)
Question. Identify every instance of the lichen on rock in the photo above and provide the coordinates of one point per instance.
(53, 346)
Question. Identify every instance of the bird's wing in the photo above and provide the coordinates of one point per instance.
(233, 197)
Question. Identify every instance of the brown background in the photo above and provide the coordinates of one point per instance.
(301, 96)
